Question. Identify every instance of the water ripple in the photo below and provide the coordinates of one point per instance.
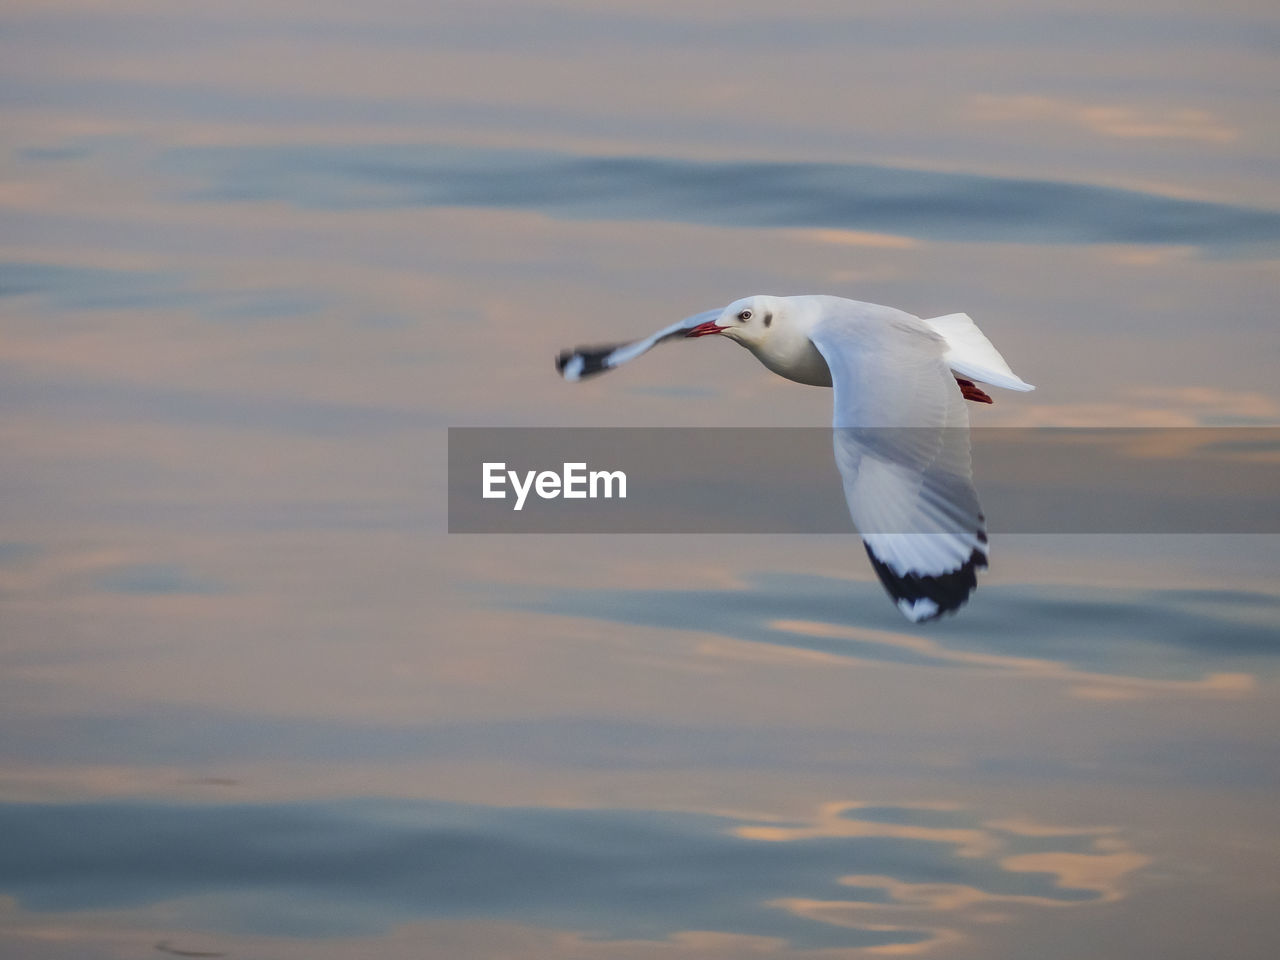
(925, 204)
(299, 869)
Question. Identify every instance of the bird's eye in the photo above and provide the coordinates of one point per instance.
(745, 315)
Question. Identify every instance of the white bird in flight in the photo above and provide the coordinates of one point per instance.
(900, 423)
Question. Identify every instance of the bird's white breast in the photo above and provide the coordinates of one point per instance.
(788, 351)
(799, 361)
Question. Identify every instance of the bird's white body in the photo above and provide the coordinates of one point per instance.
(901, 427)
(786, 344)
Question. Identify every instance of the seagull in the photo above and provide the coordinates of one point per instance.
(900, 425)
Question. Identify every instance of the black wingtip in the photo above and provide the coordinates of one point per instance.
(925, 598)
(582, 362)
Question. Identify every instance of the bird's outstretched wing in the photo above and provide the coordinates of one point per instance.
(580, 362)
(902, 446)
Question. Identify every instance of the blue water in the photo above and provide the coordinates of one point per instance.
(357, 868)
(922, 204)
(255, 701)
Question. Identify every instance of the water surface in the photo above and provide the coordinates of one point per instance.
(255, 701)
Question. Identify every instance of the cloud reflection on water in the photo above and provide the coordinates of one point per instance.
(358, 867)
(902, 201)
(1103, 643)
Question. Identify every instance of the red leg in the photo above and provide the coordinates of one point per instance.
(973, 392)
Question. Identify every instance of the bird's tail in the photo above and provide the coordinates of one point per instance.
(971, 354)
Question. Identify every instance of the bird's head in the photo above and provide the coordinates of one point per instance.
(750, 321)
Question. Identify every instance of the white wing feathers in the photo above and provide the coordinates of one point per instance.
(970, 354)
(583, 362)
(902, 446)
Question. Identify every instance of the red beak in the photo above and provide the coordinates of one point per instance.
(704, 329)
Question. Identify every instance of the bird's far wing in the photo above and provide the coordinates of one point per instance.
(902, 446)
(581, 362)
(970, 354)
